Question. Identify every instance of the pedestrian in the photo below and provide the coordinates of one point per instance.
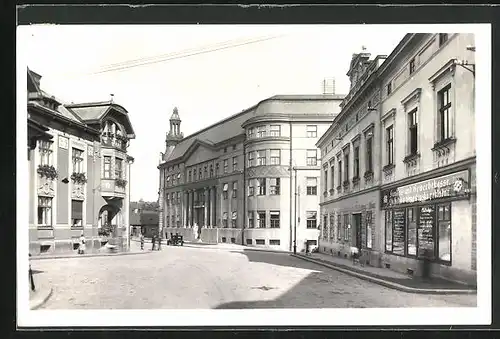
(153, 239)
(81, 248)
(141, 238)
(159, 242)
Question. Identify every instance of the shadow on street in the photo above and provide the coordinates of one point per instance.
(279, 259)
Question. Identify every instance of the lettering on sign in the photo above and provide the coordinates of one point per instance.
(454, 185)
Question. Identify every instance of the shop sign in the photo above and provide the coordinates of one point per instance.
(454, 185)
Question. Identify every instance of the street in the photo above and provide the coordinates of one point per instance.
(183, 277)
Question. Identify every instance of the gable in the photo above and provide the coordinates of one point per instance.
(199, 154)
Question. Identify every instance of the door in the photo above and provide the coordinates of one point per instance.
(357, 230)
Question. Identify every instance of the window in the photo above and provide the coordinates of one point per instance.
(249, 241)
(211, 173)
(275, 157)
(178, 220)
(235, 189)
(332, 226)
(413, 132)
(312, 131)
(340, 172)
(262, 186)
(312, 186)
(325, 171)
(45, 150)
(346, 231)
(275, 219)
(312, 158)
(235, 164)
(411, 222)
(324, 231)
(234, 217)
(189, 175)
(225, 187)
(250, 187)
(412, 66)
(234, 147)
(332, 175)
(260, 242)
(107, 168)
(250, 220)
(389, 88)
(388, 231)
(225, 149)
(369, 156)
(118, 168)
(311, 221)
(194, 174)
(275, 131)
(44, 211)
(261, 131)
(444, 232)
(167, 220)
(444, 131)
(398, 231)
(390, 144)
(356, 162)
(205, 172)
(443, 37)
(226, 166)
(262, 219)
(274, 186)
(340, 229)
(77, 157)
(261, 158)
(178, 198)
(274, 242)
(200, 174)
(369, 229)
(217, 169)
(346, 166)
(250, 159)
(251, 132)
(167, 198)
(76, 213)
(224, 220)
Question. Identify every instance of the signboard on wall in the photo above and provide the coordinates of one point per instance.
(455, 185)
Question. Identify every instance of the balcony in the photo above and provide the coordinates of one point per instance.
(114, 141)
(113, 188)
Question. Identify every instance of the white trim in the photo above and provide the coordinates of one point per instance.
(449, 67)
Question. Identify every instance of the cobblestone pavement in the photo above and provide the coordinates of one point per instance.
(182, 277)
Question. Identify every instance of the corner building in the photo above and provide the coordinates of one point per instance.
(237, 179)
(79, 173)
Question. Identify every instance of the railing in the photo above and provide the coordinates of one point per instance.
(114, 141)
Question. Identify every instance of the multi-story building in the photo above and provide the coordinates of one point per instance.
(251, 178)
(78, 171)
(424, 158)
(350, 170)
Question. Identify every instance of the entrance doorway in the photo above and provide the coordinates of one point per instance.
(356, 219)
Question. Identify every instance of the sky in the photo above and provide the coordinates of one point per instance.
(206, 87)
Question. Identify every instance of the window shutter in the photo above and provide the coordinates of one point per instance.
(76, 209)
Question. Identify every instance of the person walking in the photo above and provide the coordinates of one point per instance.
(141, 238)
(153, 240)
(81, 248)
(159, 242)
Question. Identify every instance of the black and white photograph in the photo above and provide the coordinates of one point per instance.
(204, 175)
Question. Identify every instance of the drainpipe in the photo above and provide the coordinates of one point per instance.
(291, 185)
(244, 193)
(295, 218)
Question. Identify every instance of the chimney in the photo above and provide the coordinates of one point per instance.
(328, 86)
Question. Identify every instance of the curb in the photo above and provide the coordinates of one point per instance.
(386, 283)
(38, 302)
(86, 255)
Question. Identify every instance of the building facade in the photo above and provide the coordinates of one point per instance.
(350, 170)
(249, 179)
(78, 171)
(425, 156)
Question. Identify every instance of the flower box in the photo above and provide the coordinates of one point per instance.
(47, 171)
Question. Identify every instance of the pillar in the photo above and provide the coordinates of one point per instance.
(185, 208)
(206, 196)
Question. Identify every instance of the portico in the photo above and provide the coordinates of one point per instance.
(200, 206)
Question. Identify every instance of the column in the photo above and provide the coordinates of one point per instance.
(214, 206)
(206, 197)
(195, 214)
(209, 219)
(191, 208)
(185, 209)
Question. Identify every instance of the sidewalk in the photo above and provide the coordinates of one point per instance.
(230, 246)
(389, 278)
(134, 249)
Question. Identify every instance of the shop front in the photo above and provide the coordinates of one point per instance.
(432, 219)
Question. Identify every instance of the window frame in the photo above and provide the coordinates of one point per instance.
(276, 188)
(77, 157)
(389, 131)
(235, 189)
(273, 222)
(118, 169)
(226, 166)
(437, 226)
(369, 154)
(251, 188)
(261, 158)
(262, 184)
(275, 159)
(311, 221)
(311, 160)
(312, 131)
(311, 189)
(413, 132)
(275, 131)
(356, 162)
(444, 110)
(250, 158)
(251, 219)
(45, 152)
(261, 221)
(45, 212)
(107, 169)
(73, 224)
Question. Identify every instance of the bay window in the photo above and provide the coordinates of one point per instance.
(250, 159)
(261, 158)
(262, 186)
(118, 168)
(107, 167)
(274, 186)
(275, 157)
(275, 131)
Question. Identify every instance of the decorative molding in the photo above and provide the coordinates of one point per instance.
(90, 151)
(390, 114)
(415, 95)
(449, 67)
(368, 128)
(46, 187)
(357, 137)
(63, 142)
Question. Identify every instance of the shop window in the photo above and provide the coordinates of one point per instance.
(369, 229)
(44, 211)
(444, 232)
(411, 217)
(311, 219)
(275, 219)
(251, 191)
(274, 186)
(426, 231)
(398, 232)
(388, 231)
(76, 213)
